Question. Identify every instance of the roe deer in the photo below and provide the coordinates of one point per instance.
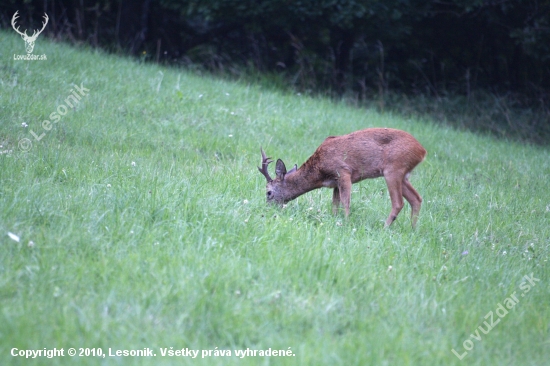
(341, 161)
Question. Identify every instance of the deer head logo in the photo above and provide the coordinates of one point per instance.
(29, 41)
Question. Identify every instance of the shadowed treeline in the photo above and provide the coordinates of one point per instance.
(362, 49)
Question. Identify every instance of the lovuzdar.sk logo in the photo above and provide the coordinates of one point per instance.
(29, 40)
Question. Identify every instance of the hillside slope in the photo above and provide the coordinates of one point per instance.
(138, 220)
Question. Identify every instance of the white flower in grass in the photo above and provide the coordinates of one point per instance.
(13, 237)
(133, 163)
(108, 186)
(24, 125)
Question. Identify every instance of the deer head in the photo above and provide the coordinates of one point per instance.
(277, 190)
(29, 41)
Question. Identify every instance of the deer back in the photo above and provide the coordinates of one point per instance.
(366, 154)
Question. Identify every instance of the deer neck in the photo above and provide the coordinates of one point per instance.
(300, 182)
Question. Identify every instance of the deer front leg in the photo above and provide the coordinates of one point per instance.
(335, 200)
(344, 187)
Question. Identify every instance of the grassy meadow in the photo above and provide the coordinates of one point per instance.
(138, 220)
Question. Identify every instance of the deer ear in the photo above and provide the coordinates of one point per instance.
(280, 169)
(294, 168)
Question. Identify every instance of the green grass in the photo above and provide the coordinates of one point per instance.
(142, 223)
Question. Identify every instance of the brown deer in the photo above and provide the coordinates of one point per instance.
(341, 161)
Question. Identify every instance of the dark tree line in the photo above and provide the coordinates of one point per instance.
(418, 46)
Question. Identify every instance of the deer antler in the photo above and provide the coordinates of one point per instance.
(34, 34)
(24, 34)
(15, 16)
(265, 163)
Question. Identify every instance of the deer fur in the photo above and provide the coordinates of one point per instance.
(341, 161)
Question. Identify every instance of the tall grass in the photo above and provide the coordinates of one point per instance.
(142, 222)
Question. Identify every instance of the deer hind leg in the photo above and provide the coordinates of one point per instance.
(394, 183)
(335, 200)
(414, 199)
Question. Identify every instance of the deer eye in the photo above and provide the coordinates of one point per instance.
(269, 193)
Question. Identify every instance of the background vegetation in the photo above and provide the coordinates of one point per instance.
(141, 222)
(479, 64)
